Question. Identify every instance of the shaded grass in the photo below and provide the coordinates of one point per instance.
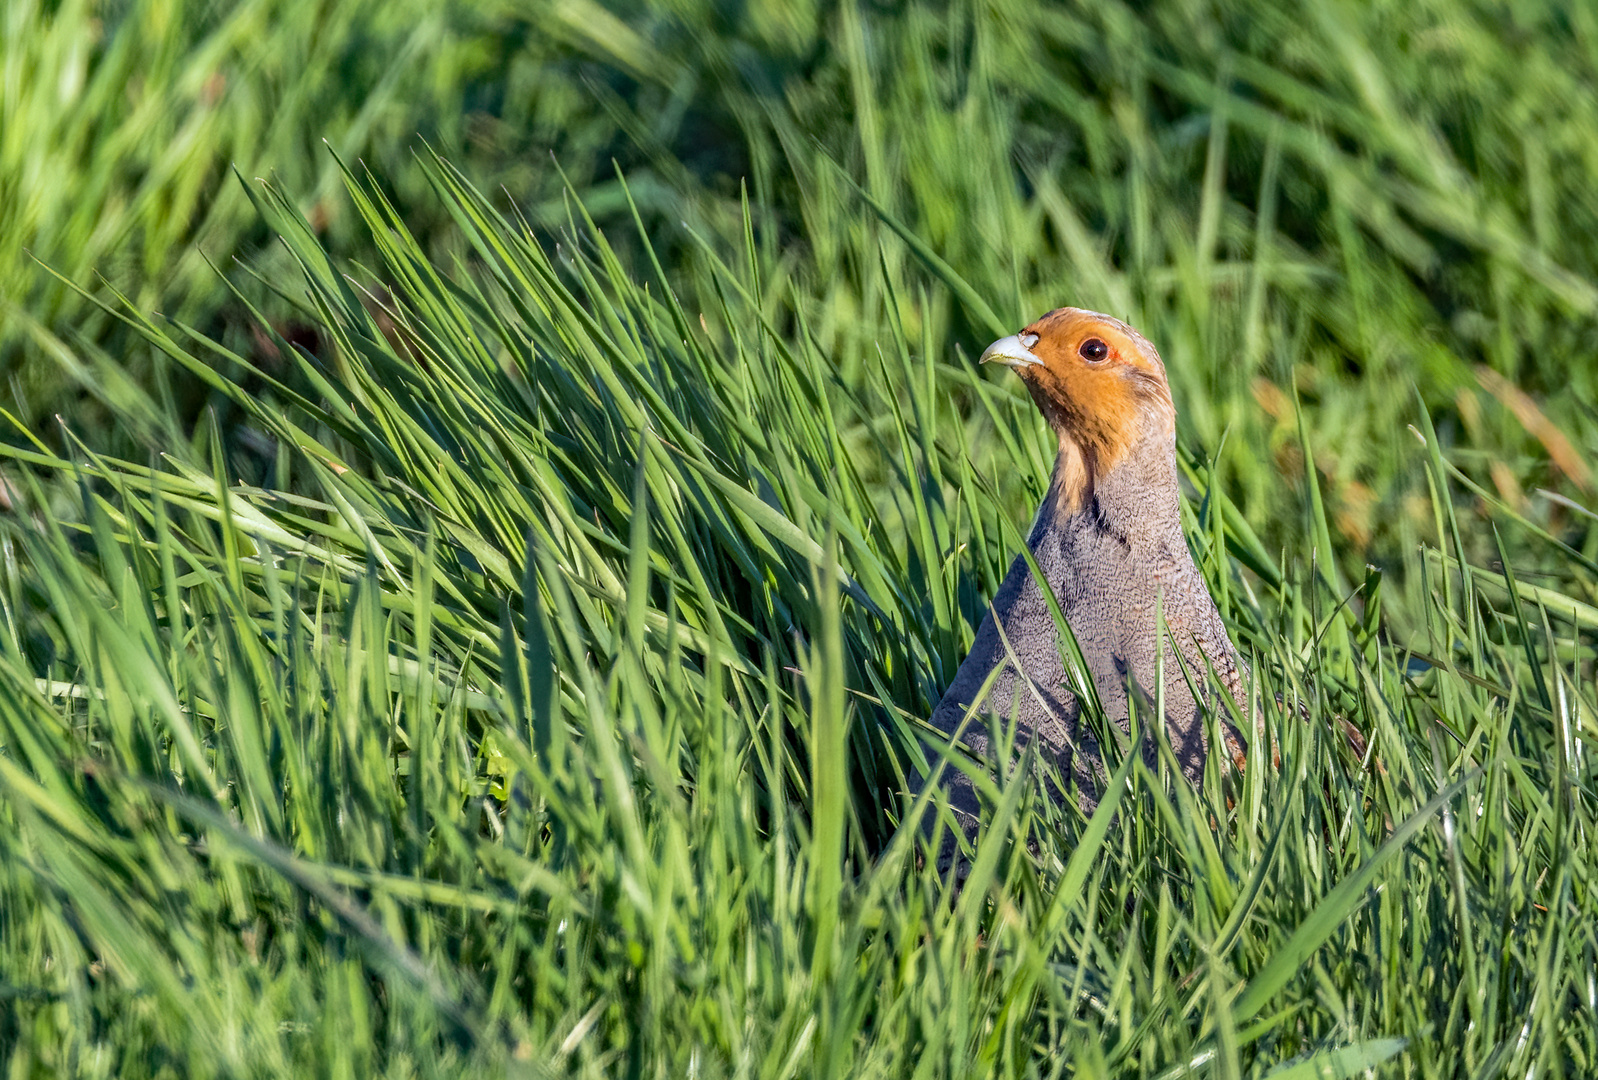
(122, 123)
(538, 700)
(1299, 202)
(521, 677)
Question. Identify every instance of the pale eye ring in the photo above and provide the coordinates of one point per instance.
(1028, 340)
(1093, 350)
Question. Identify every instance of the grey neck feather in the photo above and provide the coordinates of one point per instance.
(1136, 501)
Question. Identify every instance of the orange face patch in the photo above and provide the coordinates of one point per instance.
(1099, 383)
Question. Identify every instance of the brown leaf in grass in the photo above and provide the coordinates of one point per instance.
(1531, 417)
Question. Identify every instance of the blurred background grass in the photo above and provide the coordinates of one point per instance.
(309, 760)
(1337, 199)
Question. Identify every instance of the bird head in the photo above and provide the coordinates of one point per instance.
(1099, 384)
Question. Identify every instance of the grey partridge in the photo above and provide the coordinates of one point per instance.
(1109, 543)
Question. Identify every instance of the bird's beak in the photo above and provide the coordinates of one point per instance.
(1010, 352)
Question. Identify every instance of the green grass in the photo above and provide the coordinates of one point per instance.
(541, 702)
(1339, 200)
(122, 123)
(521, 679)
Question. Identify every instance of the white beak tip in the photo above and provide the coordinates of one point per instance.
(1010, 352)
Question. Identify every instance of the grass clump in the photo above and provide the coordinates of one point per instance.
(1294, 201)
(123, 122)
(533, 693)
(516, 668)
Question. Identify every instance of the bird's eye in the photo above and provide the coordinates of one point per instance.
(1093, 350)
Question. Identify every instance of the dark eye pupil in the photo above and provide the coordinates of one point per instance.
(1093, 349)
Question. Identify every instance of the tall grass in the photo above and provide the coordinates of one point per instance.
(537, 700)
(490, 634)
(122, 123)
(1322, 201)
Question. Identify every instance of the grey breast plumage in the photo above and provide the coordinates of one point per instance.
(1114, 563)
